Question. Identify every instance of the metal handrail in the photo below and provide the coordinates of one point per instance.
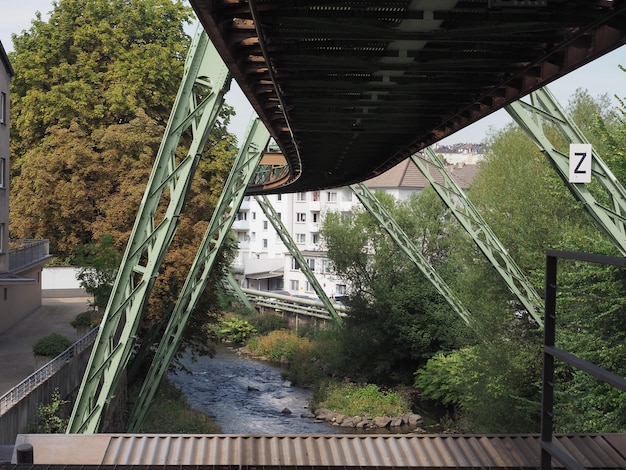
(29, 251)
(289, 303)
(30, 383)
(549, 448)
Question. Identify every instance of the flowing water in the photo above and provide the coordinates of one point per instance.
(245, 396)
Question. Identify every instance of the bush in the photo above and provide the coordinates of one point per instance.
(52, 345)
(235, 330)
(278, 346)
(82, 319)
(367, 400)
(50, 419)
(266, 323)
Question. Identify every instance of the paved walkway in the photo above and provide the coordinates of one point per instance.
(16, 343)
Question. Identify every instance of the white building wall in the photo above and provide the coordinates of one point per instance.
(302, 215)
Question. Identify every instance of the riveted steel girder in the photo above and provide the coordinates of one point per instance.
(284, 235)
(221, 222)
(199, 99)
(471, 220)
(545, 108)
(386, 220)
(231, 284)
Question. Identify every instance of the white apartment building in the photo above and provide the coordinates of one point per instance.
(263, 261)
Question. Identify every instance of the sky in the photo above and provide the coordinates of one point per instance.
(599, 77)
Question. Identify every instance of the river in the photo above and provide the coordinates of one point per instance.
(246, 396)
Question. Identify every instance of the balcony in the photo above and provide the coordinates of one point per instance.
(26, 252)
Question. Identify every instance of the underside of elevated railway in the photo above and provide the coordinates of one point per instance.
(350, 88)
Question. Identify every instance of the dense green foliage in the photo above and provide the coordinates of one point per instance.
(396, 320)
(494, 384)
(51, 345)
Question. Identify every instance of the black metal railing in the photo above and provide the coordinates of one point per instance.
(26, 251)
(549, 449)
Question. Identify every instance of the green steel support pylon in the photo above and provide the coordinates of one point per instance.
(471, 220)
(241, 295)
(205, 75)
(544, 107)
(384, 218)
(273, 217)
(221, 222)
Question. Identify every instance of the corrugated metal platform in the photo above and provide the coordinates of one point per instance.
(318, 451)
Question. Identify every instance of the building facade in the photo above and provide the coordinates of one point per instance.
(21, 261)
(264, 262)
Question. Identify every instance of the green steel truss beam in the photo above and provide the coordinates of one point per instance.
(232, 284)
(385, 219)
(545, 108)
(471, 220)
(221, 222)
(273, 217)
(206, 76)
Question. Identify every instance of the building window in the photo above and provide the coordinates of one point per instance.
(242, 216)
(294, 264)
(315, 238)
(265, 225)
(253, 236)
(340, 289)
(316, 195)
(2, 242)
(300, 237)
(253, 215)
(332, 196)
(326, 266)
(280, 215)
(301, 197)
(300, 217)
(279, 197)
(311, 263)
(3, 108)
(308, 286)
(316, 217)
(265, 243)
(295, 284)
(3, 172)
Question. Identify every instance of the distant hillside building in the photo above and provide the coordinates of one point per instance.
(455, 154)
(21, 261)
(263, 261)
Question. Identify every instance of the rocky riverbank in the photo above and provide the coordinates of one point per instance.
(404, 423)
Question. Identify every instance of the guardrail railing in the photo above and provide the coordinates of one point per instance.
(27, 251)
(291, 303)
(30, 383)
(549, 448)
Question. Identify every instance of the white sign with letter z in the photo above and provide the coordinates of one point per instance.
(580, 163)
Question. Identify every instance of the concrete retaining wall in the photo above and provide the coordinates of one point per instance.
(22, 416)
(60, 281)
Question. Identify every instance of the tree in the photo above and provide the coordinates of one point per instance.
(396, 320)
(494, 383)
(99, 265)
(93, 90)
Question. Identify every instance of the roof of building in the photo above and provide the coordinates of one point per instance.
(5, 60)
(406, 175)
